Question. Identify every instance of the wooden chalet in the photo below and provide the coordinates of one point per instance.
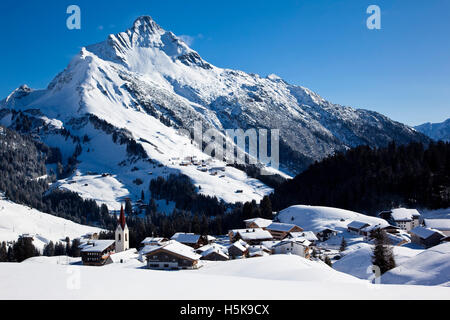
(171, 256)
(215, 253)
(257, 223)
(250, 236)
(356, 227)
(238, 250)
(326, 233)
(96, 252)
(280, 231)
(190, 239)
(426, 237)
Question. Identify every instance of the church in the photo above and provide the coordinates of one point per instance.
(122, 233)
(98, 252)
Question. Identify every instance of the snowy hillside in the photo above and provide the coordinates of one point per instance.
(436, 131)
(358, 258)
(16, 220)
(119, 104)
(429, 268)
(273, 277)
(312, 218)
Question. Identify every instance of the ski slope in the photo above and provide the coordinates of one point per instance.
(16, 220)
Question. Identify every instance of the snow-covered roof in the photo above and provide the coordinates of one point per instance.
(176, 247)
(217, 250)
(124, 255)
(150, 240)
(186, 237)
(260, 222)
(96, 245)
(270, 244)
(309, 235)
(425, 233)
(439, 224)
(258, 248)
(283, 227)
(402, 214)
(209, 246)
(357, 225)
(253, 234)
(300, 240)
(241, 245)
(148, 249)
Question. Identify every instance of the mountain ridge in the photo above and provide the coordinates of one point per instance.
(146, 83)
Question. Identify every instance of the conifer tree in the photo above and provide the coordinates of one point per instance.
(343, 245)
(383, 256)
(3, 252)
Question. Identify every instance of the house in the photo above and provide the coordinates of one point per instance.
(210, 239)
(190, 239)
(238, 250)
(209, 246)
(154, 241)
(122, 257)
(215, 253)
(426, 237)
(172, 255)
(369, 230)
(258, 251)
(326, 233)
(308, 235)
(122, 234)
(280, 231)
(251, 236)
(257, 223)
(442, 225)
(356, 227)
(96, 252)
(405, 219)
(91, 236)
(297, 246)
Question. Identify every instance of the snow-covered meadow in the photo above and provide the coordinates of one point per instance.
(277, 277)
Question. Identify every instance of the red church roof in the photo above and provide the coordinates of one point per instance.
(122, 221)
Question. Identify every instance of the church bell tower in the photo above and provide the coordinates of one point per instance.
(122, 234)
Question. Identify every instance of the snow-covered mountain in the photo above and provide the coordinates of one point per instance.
(436, 131)
(118, 107)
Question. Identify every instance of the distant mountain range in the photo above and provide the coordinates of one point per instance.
(118, 107)
(436, 131)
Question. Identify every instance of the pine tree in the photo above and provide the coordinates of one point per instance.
(328, 261)
(128, 207)
(383, 256)
(3, 252)
(343, 245)
(75, 248)
(49, 249)
(266, 208)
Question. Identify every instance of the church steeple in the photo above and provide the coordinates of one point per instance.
(122, 233)
(122, 221)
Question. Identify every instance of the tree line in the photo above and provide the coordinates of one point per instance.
(369, 180)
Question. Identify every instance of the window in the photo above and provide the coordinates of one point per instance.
(119, 236)
(126, 237)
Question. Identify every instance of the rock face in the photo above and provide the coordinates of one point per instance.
(436, 131)
(145, 83)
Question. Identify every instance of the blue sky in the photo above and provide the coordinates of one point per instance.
(402, 70)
